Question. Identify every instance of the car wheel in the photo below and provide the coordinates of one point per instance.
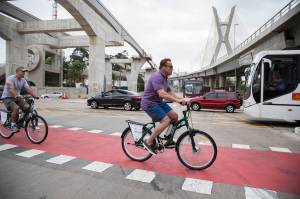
(46, 97)
(127, 106)
(196, 106)
(229, 108)
(94, 105)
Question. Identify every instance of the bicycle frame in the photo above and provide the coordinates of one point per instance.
(179, 124)
(21, 120)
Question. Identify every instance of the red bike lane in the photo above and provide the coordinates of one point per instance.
(275, 171)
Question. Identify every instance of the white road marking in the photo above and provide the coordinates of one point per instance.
(254, 193)
(30, 153)
(61, 159)
(7, 146)
(141, 175)
(240, 146)
(56, 126)
(97, 166)
(278, 149)
(96, 131)
(197, 185)
(116, 134)
(74, 129)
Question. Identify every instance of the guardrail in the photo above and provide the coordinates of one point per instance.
(268, 24)
(258, 32)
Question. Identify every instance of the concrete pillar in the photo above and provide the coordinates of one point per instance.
(210, 82)
(238, 82)
(108, 74)
(148, 73)
(222, 79)
(96, 65)
(16, 54)
(132, 78)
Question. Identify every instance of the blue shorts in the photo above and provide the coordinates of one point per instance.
(158, 111)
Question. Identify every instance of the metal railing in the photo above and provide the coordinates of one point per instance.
(268, 24)
(258, 32)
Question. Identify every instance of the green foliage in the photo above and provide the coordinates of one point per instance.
(48, 60)
(121, 55)
(73, 69)
(140, 83)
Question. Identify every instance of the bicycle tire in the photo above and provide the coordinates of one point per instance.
(4, 135)
(4, 131)
(204, 146)
(125, 134)
(33, 121)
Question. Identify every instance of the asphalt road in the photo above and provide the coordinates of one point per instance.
(255, 160)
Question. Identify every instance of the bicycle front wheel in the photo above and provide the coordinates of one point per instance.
(196, 150)
(134, 151)
(5, 132)
(36, 129)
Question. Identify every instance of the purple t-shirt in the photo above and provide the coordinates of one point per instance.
(156, 82)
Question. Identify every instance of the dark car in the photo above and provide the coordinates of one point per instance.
(116, 98)
(216, 100)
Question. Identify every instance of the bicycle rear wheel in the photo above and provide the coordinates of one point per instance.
(196, 150)
(5, 132)
(131, 149)
(36, 129)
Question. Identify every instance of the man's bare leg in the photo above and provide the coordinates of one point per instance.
(164, 123)
(14, 114)
(173, 116)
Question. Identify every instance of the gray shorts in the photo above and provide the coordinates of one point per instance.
(10, 103)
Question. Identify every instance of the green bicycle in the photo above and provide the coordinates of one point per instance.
(35, 126)
(194, 148)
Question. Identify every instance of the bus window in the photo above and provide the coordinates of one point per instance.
(281, 78)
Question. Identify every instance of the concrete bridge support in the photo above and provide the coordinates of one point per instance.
(132, 78)
(222, 79)
(96, 69)
(16, 54)
(148, 73)
(108, 74)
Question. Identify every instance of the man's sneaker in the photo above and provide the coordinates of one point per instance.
(149, 148)
(14, 129)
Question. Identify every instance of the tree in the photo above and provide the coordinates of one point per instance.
(73, 69)
(140, 83)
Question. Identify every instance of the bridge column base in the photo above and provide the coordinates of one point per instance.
(96, 65)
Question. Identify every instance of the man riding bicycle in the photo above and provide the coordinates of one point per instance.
(11, 95)
(152, 103)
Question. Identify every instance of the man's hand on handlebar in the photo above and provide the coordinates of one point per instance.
(183, 101)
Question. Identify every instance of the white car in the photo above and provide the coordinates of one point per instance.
(55, 94)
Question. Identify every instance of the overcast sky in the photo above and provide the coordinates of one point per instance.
(178, 29)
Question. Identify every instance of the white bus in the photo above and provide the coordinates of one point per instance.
(273, 86)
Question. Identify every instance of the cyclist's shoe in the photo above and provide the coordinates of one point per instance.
(14, 129)
(150, 148)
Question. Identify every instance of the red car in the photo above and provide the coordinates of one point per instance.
(216, 100)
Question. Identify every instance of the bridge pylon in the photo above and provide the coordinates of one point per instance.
(223, 37)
